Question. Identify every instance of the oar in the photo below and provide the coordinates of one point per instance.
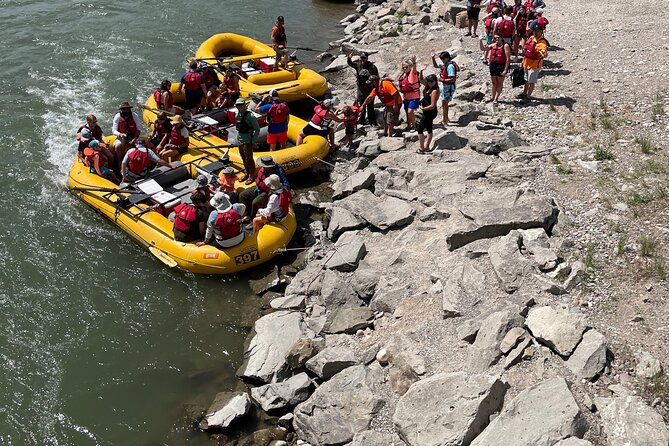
(304, 48)
(229, 59)
(103, 189)
(155, 110)
(219, 146)
(162, 256)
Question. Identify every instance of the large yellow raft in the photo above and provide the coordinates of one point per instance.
(140, 218)
(294, 83)
(293, 159)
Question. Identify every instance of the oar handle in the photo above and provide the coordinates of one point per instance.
(153, 109)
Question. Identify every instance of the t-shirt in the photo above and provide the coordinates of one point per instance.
(450, 71)
(390, 89)
(273, 127)
(154, 158)
(542, 48)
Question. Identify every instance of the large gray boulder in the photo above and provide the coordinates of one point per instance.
(288, 393)
(266, 353)
(363, 179)
(226, 408)
(492, 142)
(508, 263)
(347, 252)
(540, 415)
(373, 438)
(559, 329)
(573, 441)
(330, 361)
(523, 154)
(348, 319)
(589, 358)
(388, 213)
(448, 408)
(340, 408)
(486, 351)
(342, 220)
(629, 421)
(647, 367)
(307, 281)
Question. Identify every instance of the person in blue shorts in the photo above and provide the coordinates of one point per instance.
(448, 71)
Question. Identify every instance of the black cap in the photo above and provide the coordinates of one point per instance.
(373, 78)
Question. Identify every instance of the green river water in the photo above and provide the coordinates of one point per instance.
(99, 343)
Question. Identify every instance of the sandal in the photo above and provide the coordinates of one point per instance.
(420, 152)
(249, 181)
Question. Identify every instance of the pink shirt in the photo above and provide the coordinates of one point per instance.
(412, 79)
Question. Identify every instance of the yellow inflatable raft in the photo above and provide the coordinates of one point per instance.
(142, 217)
(295, 82)
(211, 129)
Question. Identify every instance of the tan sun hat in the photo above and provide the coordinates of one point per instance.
(273, 182)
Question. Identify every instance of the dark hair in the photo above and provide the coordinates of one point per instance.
(162, 115)
(193, 65)
(165, 85)
(508, 10)
(197, 197)
(279, 19)
(431, 78)
(445, 55)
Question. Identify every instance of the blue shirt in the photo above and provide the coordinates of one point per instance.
(279, 127)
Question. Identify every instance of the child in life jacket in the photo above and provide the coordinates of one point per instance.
(97, 161)
(351, 114)
(226, 184)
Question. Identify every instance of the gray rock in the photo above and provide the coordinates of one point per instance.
(492, 142)
(448, 408)
(401, 375)
(267, 283)
(357, 26)
(388, 295)
(284, 394)
(338, 64)
(266, 353)
(340, 408)
(516, 355)
(347, 252)
(286, 421)
(573, 441)
(369, 148)
(226, 408)
(508, 263)
(577, 275)
(647, 367)
(373, 438)
(523, 154)
(300, 352)
(485, 351)
(468, 330)
(307, 282)
(450, 297)
(589, 358)
(545, 258)
(431, 213)
(540, 415)
(359, 180)
(391, 144)
(448, 140)
(364, 280)
(560, 329)
(348, 319)
(336, 291)
(630, 421)
(290, 302)
(389, 213)
(341, 221)
(330, 361)
(511, 339)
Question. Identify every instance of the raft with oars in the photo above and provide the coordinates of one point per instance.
(143, 216)
(216, 128)
(294, 82)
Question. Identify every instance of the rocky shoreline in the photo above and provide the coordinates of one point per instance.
(436, 305)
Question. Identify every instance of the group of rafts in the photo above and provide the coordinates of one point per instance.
(143, 216)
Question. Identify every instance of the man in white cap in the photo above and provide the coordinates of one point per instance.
(126, 126)
(248, 131)
(224, 225)
(278, 116)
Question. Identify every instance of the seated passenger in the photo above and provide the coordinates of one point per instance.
(126, 127)
(189, 219)
(179, 140)
(138, 161)
(160, 135)
(97, 161)
(231, 83)
(224, 225)
(277, 206)
(256, 197)
(88, 132)
(165, 100)
(226, 181)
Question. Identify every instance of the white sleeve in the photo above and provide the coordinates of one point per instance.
(184, 132)
(138, 121)
(117, 118)
(125, 158)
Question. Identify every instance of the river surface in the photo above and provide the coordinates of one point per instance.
(99, 343)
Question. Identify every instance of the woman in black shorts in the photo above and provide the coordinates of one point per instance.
(473, 10)
(428, 104)
(499, 58)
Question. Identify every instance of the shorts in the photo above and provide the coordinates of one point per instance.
(496, 69)
(390, 116)
(411, 104)
(532, 76)
(350, 129)
(104, 170)
(473, 13)
(447, 91)
(508, 40)
(311, 130)
(280, 138)
(521, 33)
(193, 98)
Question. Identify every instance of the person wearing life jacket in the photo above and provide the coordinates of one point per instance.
(247, 137)
(541, 20)
(89, 131)
(256, 197)
(97, 162)
(178, 140)
(279, 41)
(535, 51)
(363, 69)
(278, 204)
(190, 219)
(229, 91)
(489, 23)
(278, 116)
(473, 11)
(320, 122)
(165, 99)
(499, 4)
(224, 224)
(126, 126)
(409, 84)
(351, 113)
(521, 19)
(506, 26)
(226, 183)
(500, 57)
(387, 93)
(448, 73)
(160, 135)
(138, 161)
(193, 83)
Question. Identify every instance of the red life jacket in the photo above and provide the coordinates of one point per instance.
(176, 137)
(528, 4)
(520, 14)
(230, 84)
(352, 119)
(530, 48)
(280, 35)
(127, 125)
(260, 179)
(505, 27)
(208, 77)
(192, 80)
(228, 224)
(406, 86)
(158, 97)
(542, 21)
(319, 116)
(96, 133)
(443, 73)
(489, 21)
(184, 217)
(494, 4)
(384, 96)
(162, 127)
(90, 159)
(278, 113)
(284, 205)
(139, 161)
(497, 54)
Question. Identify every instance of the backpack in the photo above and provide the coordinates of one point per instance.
(506, 27)
(278, 113)
(184, 216)
(138, 161)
